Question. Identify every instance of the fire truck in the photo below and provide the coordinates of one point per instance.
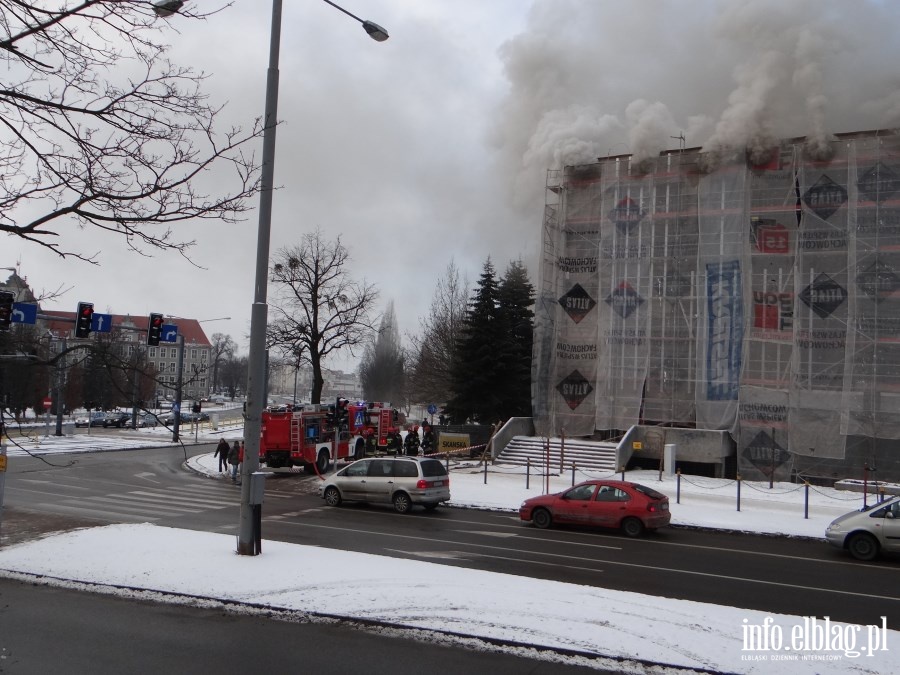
(317, 435)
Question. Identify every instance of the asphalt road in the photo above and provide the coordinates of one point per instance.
(773, 574)
(56, 630)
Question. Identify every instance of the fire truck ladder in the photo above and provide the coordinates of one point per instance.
(296, 432)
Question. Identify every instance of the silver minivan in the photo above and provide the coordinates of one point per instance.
(401, 481)
(866, 532)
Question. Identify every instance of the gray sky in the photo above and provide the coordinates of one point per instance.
(435, 144)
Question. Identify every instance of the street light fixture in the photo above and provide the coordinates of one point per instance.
(256, 361)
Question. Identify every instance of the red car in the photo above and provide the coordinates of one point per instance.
(601, 503)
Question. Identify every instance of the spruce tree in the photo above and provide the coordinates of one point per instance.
(516, 299)
(475, 372)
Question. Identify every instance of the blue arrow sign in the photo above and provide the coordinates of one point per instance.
(432, 408)
(168, 333)
(101, 323)
(23, 312)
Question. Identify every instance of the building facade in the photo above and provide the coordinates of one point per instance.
(757, 297)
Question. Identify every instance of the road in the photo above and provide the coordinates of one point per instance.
(773, 574)
(55, 630)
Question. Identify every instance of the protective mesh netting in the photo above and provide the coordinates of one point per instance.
(759, 299)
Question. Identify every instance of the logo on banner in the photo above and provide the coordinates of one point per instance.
(574, 389)
(626, 214)
(765, 454)
(624, 300)
(825, 197)
(769, 236)
(823, 296)
(878, 281)
(577, 303)
(773, 311)
(880, 182)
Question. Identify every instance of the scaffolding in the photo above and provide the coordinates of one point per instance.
(760, 299)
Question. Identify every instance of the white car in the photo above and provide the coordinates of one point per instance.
(94, 419)
(868, 531)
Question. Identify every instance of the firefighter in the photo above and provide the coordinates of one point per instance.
(371, 443)
(427, 439)
(394, 443)
(411, 444)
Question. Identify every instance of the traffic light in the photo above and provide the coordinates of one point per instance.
(154, 329)
(6, 307)
(341, 413)
(197, 407)
(83, 319)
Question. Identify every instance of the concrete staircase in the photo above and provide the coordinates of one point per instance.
(587, 455)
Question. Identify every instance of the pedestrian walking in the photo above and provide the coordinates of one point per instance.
(222, 453)
(234, 458)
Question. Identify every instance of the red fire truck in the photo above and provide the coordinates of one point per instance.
(318, 435)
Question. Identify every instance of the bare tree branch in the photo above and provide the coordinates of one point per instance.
(99, 129)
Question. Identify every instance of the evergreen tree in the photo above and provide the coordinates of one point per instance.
(516, 299)
(476, 369)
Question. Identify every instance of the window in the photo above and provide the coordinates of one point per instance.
(171, 367)
(357, 469)
(581, 493)
(193, 355)
(174, 352)
(151, 352)
(406, 469)
(381, 468)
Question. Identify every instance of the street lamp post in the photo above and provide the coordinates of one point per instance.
(256, 376)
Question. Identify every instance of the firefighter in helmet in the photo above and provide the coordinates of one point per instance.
(411, 444)
(394, 442)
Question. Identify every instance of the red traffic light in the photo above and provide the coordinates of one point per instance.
(154, 329)
(83, 318)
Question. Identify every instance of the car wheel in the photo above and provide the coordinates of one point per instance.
(542, 518)
(332, 496)
(322, 461)
(632, 527)
(863, 546)
(402, 504)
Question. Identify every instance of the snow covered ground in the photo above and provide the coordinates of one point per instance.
(625, 630)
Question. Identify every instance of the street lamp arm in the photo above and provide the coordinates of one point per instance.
(375, 31)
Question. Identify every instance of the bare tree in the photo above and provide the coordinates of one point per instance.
(99, 129)
(318, 309)
(234, 373)
(381, 370)
(435, 348)
(223, 347)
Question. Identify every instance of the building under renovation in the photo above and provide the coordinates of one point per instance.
(748, 311)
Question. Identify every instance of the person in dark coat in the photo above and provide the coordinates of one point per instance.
(428, 439)
(394, 442)
(411, 444)
(222, 453)
(234, 458)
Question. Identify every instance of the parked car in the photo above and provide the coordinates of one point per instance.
(401, 481)
(147, 420)
(868, 531)
(616, 504)
(94, 419)
(117, 419)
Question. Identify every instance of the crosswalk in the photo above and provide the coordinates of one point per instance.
(151, 504)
